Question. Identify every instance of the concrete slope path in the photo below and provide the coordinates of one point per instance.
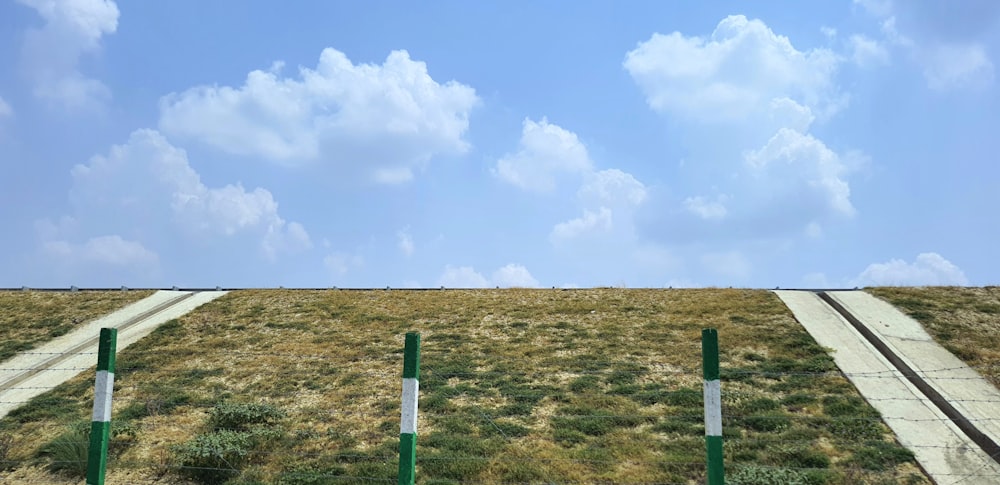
(944, 451)
(963, 387)
(31, 373)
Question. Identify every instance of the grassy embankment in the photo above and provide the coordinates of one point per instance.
(538, 386)
(30, 318)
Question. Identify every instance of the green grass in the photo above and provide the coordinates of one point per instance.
(966, 321)
(30, 318)
(596, 385)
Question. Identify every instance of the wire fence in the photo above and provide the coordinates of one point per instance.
(322, 418)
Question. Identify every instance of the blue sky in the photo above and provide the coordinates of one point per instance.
(590, 143)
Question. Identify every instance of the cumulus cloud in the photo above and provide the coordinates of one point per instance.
(514, 276)
(929, 269)
(548, 155)
(462, 277)
(947, 66)
(730, 75)
(51, 54)
(707, 208)
(103, 250)
(147, 183)
(947, 41)
(511, 275)
(867, 52)
(545, 152)
(804, 161)
(380, 120)
(589, 222)
(748, 98)
(612, 187)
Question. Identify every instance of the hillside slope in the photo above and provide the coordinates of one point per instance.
(516, 386)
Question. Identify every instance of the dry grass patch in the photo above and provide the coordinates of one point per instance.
(30, 318)
(530, 386)
(966, 321)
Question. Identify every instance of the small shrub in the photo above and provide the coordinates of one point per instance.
(803, 457)
(881, 455)
(68, 451)
(237, 431)
(584, 383)
(798, 399)
(759, 475)
(241, 416)
(215, 457)
(684, 397)
(758, 405)
(768, 422)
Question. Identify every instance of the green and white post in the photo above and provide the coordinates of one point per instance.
(408, 421)
(100, 426)
(713, 405)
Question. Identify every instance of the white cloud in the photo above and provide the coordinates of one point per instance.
(706, 208)
(950, 66)
(599, 221)
(828, 32)
(514, 276)
(814, 230)
(802, 162)
(51, 54)
(511, 275)
(613, 187)
(5, 110)
(929, 269)
(945, 42)
(405, 242)
(876, 7)
(744, 93)
(545, 152)
(340, 263)
(103, 250)
(147, 182)
(729, 264)
(732, 74)
(784, 112)
(381, 120)
(462, 277)
(867, 52)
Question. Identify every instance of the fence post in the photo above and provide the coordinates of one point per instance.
(713, 405)
(408, 421)
(100, 426)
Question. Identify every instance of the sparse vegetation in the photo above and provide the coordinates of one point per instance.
(29, 318)
(966, 321)
(516, 385)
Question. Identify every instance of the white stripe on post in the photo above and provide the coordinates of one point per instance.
(408, 424)
(713, 408)
(103, 387)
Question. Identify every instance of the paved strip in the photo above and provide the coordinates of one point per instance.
(945, 452)
(32, 373)
(963, 387)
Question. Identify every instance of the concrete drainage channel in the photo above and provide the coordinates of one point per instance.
(937, 406)
(31, 373)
